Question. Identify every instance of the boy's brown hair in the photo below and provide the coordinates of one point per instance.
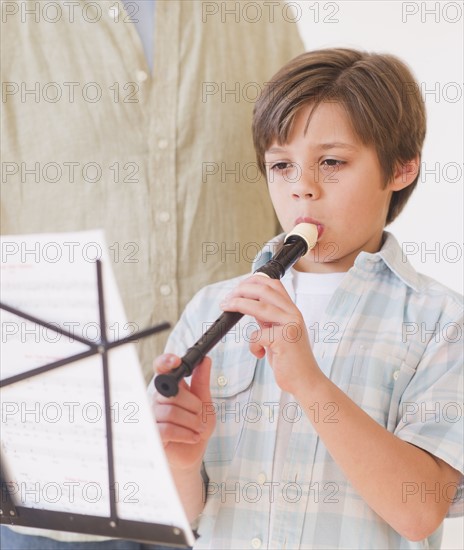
(378, 92)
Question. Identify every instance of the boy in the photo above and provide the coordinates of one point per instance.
(318, 438)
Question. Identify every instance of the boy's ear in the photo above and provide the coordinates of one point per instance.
(405, 174)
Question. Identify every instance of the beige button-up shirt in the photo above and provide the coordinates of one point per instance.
(163, 162)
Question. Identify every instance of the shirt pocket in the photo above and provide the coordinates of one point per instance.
(231, 383)
(375, 374)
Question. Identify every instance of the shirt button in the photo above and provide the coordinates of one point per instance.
(261, 478)
(162, 143)
(141, 76)
(165, 290)
(222, 381)
(396, 374)
(164, 216)
(256, 543)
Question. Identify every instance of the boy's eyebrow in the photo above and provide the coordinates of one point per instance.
(323, 146)
(337, 145)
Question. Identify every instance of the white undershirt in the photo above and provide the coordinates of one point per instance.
(313, 292)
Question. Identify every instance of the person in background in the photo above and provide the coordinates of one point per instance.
(134, 117)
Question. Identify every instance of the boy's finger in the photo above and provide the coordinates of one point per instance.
(170, 433)
(185, 399)
(261, 311)
(265, 293)
(169, 414)
(165, 363)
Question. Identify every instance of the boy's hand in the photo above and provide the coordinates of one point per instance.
(183, 426)
(283, 335)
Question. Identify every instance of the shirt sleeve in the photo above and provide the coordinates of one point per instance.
(431, 408)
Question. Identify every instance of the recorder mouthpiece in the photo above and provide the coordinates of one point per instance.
(307, 231)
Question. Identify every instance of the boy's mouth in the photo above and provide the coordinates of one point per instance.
(320, 227)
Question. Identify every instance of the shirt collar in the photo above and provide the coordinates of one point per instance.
(392, 257)
(389, 256)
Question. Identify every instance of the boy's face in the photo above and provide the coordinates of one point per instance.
(328, 177)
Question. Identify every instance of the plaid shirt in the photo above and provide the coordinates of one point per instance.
(391, 339)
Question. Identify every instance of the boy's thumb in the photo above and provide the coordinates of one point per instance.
(199, 384)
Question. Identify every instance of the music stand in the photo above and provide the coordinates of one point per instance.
(111, 526)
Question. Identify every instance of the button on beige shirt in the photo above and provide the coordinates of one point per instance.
(163, 162)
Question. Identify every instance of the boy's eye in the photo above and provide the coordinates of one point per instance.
(280, 166)
(332, 162)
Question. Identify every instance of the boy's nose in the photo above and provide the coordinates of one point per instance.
(306, 187)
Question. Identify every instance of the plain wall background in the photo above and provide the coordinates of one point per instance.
(432, 45)
(428, 36)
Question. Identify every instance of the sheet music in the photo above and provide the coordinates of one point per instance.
(53, 424)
